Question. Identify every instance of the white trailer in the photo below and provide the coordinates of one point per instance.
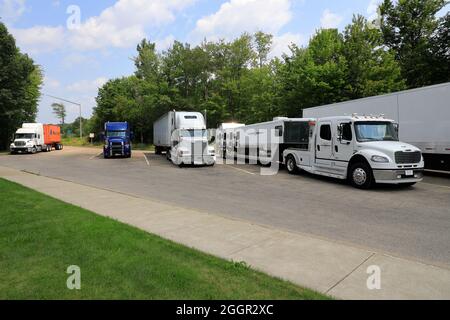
(363, 149)
(223, 134)
(423, 116)
(265, 142)
(183, 136)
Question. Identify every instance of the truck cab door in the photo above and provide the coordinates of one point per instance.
(343, 143)
(324, 151)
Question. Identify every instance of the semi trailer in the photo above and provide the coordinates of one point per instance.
(184, 139)
(363, 149)
(223, 135)
(36, 137)
(265, 142)
(117, 140)
(423, 116)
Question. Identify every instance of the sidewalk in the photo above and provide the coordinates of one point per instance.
(332, 268)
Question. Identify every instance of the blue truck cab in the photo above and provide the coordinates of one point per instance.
(117, 138)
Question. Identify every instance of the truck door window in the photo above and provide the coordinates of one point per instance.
(347, 132)
(325, 132)
(279, 131)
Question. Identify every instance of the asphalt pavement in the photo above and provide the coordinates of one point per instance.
(412, 222)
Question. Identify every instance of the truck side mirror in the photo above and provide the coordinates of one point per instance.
(396, 127)
(102, 136)
(131, 135)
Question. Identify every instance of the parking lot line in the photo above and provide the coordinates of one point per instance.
(95, 156)
(146, 160)
(242, 170)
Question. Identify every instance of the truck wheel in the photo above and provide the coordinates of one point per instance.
(361, 176)
(61, 146)
(168, 155)
(291, 164)
(33, 150)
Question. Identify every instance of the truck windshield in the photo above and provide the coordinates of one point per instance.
(375, 131)
(194, 133)
(24, 136)
(121, 134)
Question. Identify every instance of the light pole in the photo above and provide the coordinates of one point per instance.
(75, 103)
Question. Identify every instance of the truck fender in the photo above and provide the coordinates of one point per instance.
(290, 153)
(357, 157)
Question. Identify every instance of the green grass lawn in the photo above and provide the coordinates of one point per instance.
(41, 236)
(77, 142)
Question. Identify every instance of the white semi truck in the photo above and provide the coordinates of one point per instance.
(36, 137)
(363, 149)
(183, 136)
(423, 116)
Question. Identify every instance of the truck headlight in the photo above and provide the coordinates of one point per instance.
(380, 159)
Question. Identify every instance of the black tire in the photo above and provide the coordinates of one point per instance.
(33, 150)
(168, 155)
(291, 164)
(361, 176)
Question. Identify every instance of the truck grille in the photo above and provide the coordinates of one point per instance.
(20, 143)
(408, 157)
(116, 147)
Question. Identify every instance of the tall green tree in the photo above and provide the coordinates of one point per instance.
(59, 110)
(371, 69)
(408, 28)
(20, 82)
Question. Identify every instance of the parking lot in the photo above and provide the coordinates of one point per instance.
(408, 222)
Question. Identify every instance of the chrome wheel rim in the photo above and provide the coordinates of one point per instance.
(359, 176)
(290, 164)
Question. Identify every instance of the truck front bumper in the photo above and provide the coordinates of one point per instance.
(198, 160)
(21, 149)
(395, 176)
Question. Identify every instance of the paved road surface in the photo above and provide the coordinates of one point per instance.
(409, 222)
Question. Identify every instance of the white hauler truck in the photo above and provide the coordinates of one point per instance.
(363, 149)
(423, 116)
(183, 136)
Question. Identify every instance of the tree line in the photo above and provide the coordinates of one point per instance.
(20, 83)
(238, 81)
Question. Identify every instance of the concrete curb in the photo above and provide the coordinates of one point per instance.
(339, 270)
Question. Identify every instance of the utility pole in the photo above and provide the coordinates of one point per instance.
(75, 103)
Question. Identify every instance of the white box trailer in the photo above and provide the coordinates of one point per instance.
(224, 133)
(266, 141)
(183, 136)
(423, 116)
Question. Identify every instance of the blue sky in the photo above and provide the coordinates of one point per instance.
(79, 55)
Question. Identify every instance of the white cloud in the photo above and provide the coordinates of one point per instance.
(372, 9)
(87, 86)
(164, 44)
(330, 19)
(11, 10)
(125, 23)
(237, 16)
(39, 39)
(281, 43)
(122, 25)
(50, 83)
